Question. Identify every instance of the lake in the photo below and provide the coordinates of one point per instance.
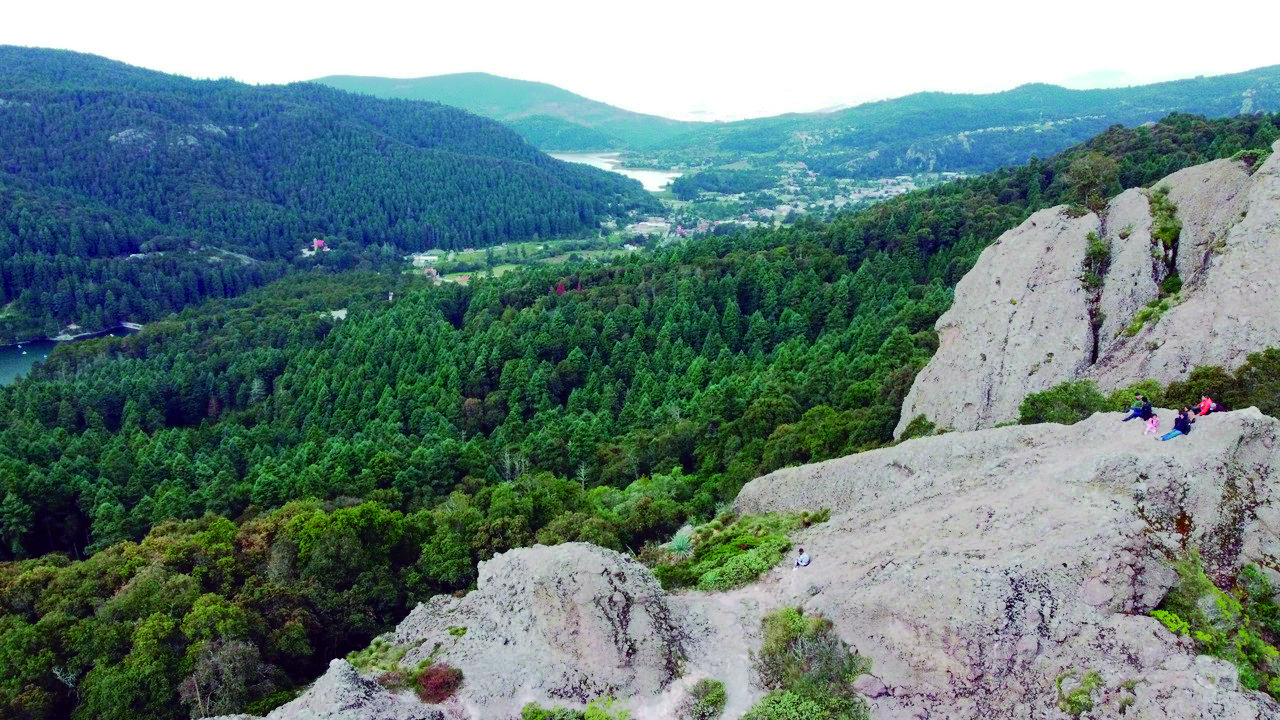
(16, 361)
(653, 180)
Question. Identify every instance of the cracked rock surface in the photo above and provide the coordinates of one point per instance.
(977, 568)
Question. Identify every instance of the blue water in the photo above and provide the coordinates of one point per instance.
(15, 362)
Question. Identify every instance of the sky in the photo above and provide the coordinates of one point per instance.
(697, 59)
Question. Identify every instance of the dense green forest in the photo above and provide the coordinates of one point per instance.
(104, 161)
(203, 514)
(729, 182)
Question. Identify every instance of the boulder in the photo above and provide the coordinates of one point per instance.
(975, 569)
(556, 625)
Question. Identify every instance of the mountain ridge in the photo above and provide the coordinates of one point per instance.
(544, 111)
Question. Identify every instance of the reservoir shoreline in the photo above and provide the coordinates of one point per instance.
(652, 180)
(63, 337)
(17, 359)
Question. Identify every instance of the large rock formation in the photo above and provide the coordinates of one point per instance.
(975, 569)
(1021, 322)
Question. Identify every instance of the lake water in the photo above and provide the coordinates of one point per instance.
(653, 180)
(15, 361)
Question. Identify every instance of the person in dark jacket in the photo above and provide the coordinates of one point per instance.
(1181, 426)
(1141, 410)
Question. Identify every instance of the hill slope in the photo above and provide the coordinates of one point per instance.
(550, 117)
(102, 158)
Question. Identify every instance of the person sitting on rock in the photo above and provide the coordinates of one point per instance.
(1153, 425)
(802, 560)
(1143, 410)
(1135, 408)
(1206, 405)
(1181, 426)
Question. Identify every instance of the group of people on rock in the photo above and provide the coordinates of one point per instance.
(1142, 410)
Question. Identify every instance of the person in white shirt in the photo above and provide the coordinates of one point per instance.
(802, 559)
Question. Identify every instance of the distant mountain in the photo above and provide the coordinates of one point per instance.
(124, 192)
(972, 133)
(550, 117)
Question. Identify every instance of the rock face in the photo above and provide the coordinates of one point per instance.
(559, 625)
(1227, 259)
(977, 568)
(1020, 322)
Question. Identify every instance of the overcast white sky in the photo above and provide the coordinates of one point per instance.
(669, 57)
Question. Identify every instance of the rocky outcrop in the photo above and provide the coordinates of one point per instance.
(1134, 276)
(1227, 259)
(977, 568)
(560, 625)
(1020, 320)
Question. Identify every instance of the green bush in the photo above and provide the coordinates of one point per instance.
(1097, 259)
(1171, 285)
(599, 709)
(1066, 403)
(1079, 699)
(787, 705)
(920, 426)
(742, 569)
(728, 553)
(1122, 399)
(1241, 626)
(1152, 312)
(534, 711)
(706, 700)
(1256, 383)
(1165, 225)
(808, 670)
(1252, 158)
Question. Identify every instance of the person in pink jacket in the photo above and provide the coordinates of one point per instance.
(1206, 405)
(1153, 425)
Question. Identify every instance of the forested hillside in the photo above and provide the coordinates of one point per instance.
(936, 132)
(234, 496)
(550, 117)
(103, 161)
